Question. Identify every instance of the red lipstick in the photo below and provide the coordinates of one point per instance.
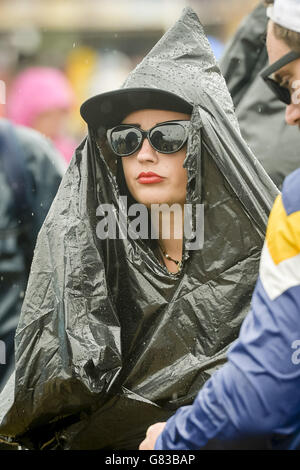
(149, 178)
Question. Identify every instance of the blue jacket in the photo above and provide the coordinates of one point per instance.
(257, 391)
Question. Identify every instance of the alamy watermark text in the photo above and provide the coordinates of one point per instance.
(165, 222)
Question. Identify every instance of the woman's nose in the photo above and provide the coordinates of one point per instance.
(292, 114)
(146, 152)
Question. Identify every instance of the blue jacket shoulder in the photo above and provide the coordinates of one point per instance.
(291, 192)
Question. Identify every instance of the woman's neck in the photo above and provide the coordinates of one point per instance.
(171, 226)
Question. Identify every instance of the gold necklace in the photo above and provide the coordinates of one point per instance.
(177, 262)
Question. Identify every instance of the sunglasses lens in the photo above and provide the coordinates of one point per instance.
(168, 138)
(125, 141)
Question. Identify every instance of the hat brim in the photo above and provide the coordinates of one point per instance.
(109, 109)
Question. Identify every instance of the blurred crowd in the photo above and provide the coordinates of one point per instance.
(47, 98)
(43, 84)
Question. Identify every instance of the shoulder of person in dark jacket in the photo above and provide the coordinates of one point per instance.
(245, 54)
(46, 167)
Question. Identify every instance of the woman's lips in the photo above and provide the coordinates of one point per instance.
(149, 178)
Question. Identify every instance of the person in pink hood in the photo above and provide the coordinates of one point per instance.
(42, 98)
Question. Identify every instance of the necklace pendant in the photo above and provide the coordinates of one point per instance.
(177, 262)
(179, 266)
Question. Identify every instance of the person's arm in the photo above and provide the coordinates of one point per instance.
(257, 391)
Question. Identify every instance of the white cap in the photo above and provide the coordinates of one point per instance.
(286, 13)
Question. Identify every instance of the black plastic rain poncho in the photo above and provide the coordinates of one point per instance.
(109, 342)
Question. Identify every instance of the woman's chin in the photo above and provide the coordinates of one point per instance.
(156, 199)
(153, 202)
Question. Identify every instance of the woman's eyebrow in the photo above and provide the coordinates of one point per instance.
(131, 124)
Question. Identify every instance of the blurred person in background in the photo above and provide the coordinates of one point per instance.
(257, 392)
(42, 98)
(260, 114)
(30, 173)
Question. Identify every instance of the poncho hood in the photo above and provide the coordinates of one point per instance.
(109, 342)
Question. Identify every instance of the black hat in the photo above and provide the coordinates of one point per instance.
(109, 109)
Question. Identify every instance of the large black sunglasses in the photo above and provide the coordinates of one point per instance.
(165, 137)
(282, 93)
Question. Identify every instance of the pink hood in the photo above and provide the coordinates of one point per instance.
(36, 90)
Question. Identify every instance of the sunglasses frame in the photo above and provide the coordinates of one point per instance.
(146, 134)
(282, 93)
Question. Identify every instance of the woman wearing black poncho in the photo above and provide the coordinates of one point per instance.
(115, 335)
